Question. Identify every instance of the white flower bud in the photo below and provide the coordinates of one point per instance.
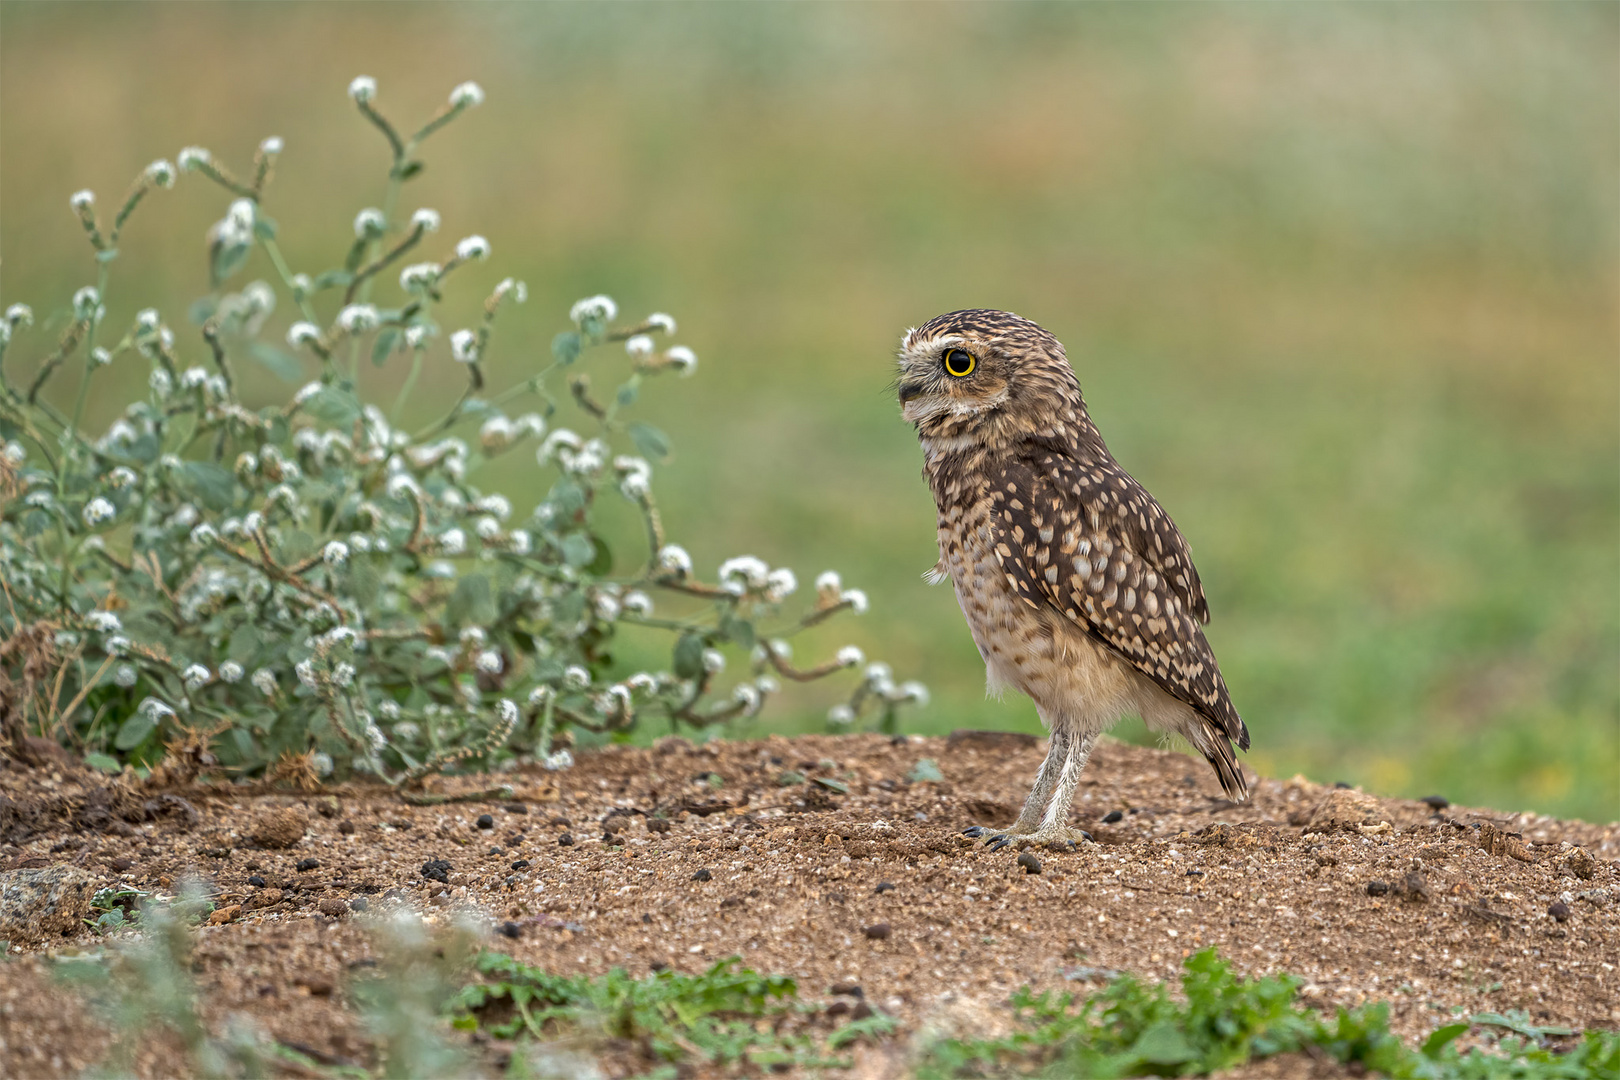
(464, 346)
(104, 622)
(674, 559)
(363, 89)
(86, 302)
(101, 356)
(639, 346)
(562, 759)
(125, 676)
(467, 95)
(335, 553)
(270, 146)
(497, 505)
(98, 510)
(321, 761)
(781, 583)
(576, 678)
(82, 200)
(204, 535)
(358, 317)
(660, 321)
(302, 284)
(264, 681)
(161, 173)
(599, 308)
(195, 676)
(840, 715)
(418, 276)
(472, 247)
(637, 602)
(122, 476)
(230, 671)
(425, 219)
(369, 223)
(714, 661)
(192, 158)
(416, 335)
(489, 661)
(343, 674)
(303, 333)
(20, 315)
(851, 656)
(683, 359)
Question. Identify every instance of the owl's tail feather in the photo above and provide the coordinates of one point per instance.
(1216, 747)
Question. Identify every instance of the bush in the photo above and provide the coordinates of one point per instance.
(302, 589)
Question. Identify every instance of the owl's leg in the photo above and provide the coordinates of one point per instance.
(1053, 830)
(1057, 752)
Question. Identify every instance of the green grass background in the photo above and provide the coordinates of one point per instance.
(1339, 282)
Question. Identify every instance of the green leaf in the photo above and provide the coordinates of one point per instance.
(212, 485)
(1163, 1044)
(689, 655)
(578, 549)
(332, 279)
(565, 347)
(926, 771)
(653, 444)
(386, 339)
(472, 602)
(740, 631)
(264, 228)
(601, 563)
(103, 762)
(410, 169)
(1437, 1042)
(279, 362)
(228, 259)
(337, 408)
(833, 785)
(365, 582)
(626, 394)
(134, 730)
(201, 310)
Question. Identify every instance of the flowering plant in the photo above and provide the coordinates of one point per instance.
(306, 587)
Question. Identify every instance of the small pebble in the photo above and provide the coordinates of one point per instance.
(846, 989)
(436, 870)
(485, 821)
(1559, 910)
(561, 822)
(1377, 888)
(333, 907)
(884, 886)
(703, 875)
(497, 851)
(861, 1011)
(510, 929)
(120, 865)
(521, 864)
(516, 808)
(1029, 862)
(346, 827)
(877, 931)
(658, 825)
(1112, 816)
(307, 864)
(359, 903)
(566, 839)
(838, 1008)
(257, 882)
(1436, 802)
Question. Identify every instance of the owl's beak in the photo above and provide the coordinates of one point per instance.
(912, 389)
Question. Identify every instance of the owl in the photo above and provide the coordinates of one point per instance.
(1077, 587)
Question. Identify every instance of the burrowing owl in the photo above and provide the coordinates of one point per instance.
(1076, 585)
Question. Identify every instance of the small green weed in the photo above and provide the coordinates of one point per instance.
(728, 1015)
(1133, 1029)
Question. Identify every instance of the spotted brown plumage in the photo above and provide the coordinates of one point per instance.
(1076, 585)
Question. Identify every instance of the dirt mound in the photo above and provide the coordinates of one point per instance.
(841, 860)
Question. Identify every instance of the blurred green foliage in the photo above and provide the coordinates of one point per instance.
(1339, 282)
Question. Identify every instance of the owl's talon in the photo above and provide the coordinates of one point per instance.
(996, 843)
(974, 831)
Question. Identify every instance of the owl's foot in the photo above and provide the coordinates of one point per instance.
(1058, 839)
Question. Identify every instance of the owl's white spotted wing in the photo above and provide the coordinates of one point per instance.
(1076, 533)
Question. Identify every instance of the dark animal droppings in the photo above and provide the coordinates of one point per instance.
(877, 931)
(307, 864)
(521, 864)
(1030, 863)
(1437, 802)
(566, 839)
(703, 875)
(1111, 817)
(884, 886)
(511, 930)
(1559, 910)
(485, 821)
(257, 882)
(436, 870)
(1377, 888)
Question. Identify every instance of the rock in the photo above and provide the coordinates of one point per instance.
(1029, 862)
(1112, 816)
(877, 931)
(510, 930)
(262, 899)
(1435, 802)
(359, 903)
(257, 881)
(346, 827)
(516, 808)
(279, 828)
(846, 989)
(305, 865)
(436, 870)
(1580, 863)
(703, 875)
(1377, 888)
(485, 821)
(39, 903)
(1559, 910)
(328, 807)
(566, 840)
(521, 864)
(883, 887)
(1345, 807)
(333, 906)
(221, 916)
(121, 864)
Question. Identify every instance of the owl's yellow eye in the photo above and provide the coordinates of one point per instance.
(959, 362)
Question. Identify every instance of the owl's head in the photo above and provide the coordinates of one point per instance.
(978, 374)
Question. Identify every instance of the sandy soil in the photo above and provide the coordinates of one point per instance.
(680, 854)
